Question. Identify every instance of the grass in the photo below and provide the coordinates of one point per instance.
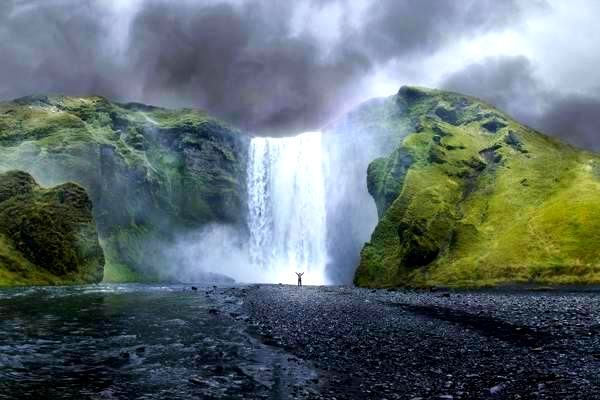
(486, 201)
(163, 170)
(47, 236)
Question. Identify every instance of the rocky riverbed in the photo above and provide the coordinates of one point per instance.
(379, 344)
(283, 342)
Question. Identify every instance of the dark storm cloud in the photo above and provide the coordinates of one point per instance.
(575, 118)
(245, 64)
(53, 46)
(242, 61)
(510, 83)
(401, 27)
(500, 80)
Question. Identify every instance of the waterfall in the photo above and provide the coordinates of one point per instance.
(287, 208)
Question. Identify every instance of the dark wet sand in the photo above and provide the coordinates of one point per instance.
(378, 344)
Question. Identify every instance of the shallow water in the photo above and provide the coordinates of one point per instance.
(134, 341)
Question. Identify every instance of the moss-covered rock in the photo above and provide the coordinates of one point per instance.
(473, 198)
(150, 172)
(47, 236)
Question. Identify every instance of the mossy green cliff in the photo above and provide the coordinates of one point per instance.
(151, 173)
(47, 236)
(472, 198)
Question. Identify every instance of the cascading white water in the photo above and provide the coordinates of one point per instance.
(287, 209)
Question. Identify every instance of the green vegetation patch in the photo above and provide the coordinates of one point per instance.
(46, 235)
(483, 201)
(145, 168)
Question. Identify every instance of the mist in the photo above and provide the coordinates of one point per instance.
(215, 253)
(309, 210)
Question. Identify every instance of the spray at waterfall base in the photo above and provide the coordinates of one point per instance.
(308, 211)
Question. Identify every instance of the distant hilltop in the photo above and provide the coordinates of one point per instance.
(472, 198)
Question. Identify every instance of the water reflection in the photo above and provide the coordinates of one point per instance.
(132, 341)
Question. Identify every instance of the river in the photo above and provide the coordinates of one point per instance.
(136, 341)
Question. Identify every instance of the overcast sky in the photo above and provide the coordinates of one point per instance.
(282, 67)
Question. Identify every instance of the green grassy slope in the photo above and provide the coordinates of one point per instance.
(47, 236)
(473, 198)
(151, 172)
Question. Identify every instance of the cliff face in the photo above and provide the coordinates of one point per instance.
(47, 236)
(471, 197)
(465, 195)
(150, 172)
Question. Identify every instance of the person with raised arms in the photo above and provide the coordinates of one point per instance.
(299, 278)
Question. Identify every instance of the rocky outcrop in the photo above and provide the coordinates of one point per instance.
(471, 197)
(151, 173)
(47, 236)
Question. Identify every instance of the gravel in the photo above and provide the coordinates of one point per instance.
(379, 344)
